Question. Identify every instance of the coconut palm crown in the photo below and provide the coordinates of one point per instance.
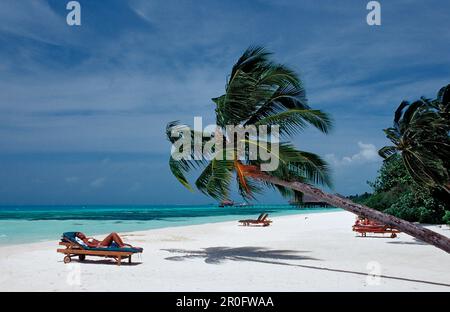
(258, 92)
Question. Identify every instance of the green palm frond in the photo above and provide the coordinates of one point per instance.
(180, 167)
(253, 59)
(250, 189)
(309, 166)
(421, 134)
(292, 121)
(215, 179)
(285, 97)
(411, 113)
(279, 74)
(398, 114)
(178, 170)
(443, 96)
(295, 164)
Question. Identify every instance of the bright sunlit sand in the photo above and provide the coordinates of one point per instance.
(314, 252)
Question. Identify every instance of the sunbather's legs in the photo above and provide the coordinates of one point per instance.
(113, 237)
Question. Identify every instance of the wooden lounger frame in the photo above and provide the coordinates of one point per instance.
(262, 220)
(364, 229)
(73, 250)
(249, 223)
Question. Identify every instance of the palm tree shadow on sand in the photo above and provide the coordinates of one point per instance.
(414, 242)
(218, 255)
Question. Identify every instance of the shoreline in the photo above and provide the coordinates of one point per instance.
(305, 252)
(29, 230)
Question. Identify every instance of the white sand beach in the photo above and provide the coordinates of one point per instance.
(314, 252)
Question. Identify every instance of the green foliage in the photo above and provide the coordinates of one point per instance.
(446, 217)
(382, 200)
(359, 198)
(396, 193)
(417, 206)
(393, 177)
(414, 181)
(420, 134)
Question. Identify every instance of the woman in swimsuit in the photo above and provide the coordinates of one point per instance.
(105, 243)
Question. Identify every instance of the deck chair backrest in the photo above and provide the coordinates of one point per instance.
(70, 237)
(260, 216)
(264, 217)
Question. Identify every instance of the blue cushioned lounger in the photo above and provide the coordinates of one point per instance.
(73, 248)
(71, 237)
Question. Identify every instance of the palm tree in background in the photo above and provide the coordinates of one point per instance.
(420, 134)
(260, 92)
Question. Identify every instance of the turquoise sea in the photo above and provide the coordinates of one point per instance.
(25, 224)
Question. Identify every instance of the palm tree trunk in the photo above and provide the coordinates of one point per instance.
(417, 231)
(447, 188)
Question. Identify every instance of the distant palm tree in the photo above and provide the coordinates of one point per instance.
(421, 135)
(261, 92)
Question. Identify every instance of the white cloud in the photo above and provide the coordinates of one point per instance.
(367, 153)
(98, 182)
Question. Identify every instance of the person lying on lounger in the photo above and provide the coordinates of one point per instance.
(108, 241)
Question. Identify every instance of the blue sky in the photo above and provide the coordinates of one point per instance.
(83, 109)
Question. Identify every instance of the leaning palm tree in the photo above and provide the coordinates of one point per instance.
(262, 93)
(420, 134)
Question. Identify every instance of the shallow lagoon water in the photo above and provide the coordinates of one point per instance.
(26, 224)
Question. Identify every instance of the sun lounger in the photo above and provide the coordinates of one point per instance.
(247, 222)
(262, 220)
(73, 248)
(365, 226)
